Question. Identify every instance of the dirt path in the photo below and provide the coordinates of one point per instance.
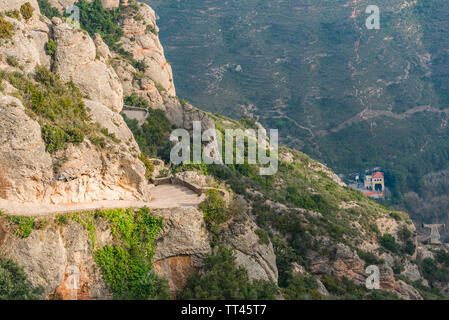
(165, 196)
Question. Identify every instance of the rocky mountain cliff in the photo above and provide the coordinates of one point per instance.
(63, 142)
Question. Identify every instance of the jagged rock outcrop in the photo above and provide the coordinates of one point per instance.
(114, 123)
(88, 174)
(27, 45)
(156, 82)
(342, 261)
(141, 39)
(181, 246)
(25, 167)
(75, 60)
(83, 172)
(258, 258)
(54, 255)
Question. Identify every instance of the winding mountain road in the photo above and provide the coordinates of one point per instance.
(164, 196)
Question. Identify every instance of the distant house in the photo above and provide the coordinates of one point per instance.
(374, 184)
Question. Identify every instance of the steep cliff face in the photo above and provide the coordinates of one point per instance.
(55, 253)
(82, 172)
(75, 60)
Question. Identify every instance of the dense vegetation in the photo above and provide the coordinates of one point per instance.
(127, 266)
(223, 280)
(136, 101)
(6, 29)
(14, 284)
(95, 19)
(153, 136)
(308, 83)
(214, 209)
(47, 9)
(23, 225)
(27, 10)
(57, 106)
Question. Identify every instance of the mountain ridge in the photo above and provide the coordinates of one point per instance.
(300, 234)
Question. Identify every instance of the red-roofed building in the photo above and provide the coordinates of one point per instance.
(375, 183)
(378, 175)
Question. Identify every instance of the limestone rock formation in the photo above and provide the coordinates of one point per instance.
(27, 46)
(75, 60)
(25, 167)
(52, 256)
(345, 262)
(182, 244)
(83, 172)
(258, 258)
(16, 4)
(141, 39)
(156, 82)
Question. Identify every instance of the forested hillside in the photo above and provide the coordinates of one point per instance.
(351, 97)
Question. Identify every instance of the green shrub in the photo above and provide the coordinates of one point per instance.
(127, 266)
(75, 135)
(151, 29)
(223, 280)
(153, 136)
(98, 141)
(302, 287)
(369, 257)
(12, 61)
(432, 272)
(47, 10)
(382, 295)
(15, 14)
(214, 209)
(404, 233)
(389, 242)
(58, 107)
(62, 219)
(27, 10)
(409, 247)
(112, 136)
(139, 65)
(159, 87)
(263, 236)
(14, 284)
(428, 293)
(54, 138)
(50, 47)
(344, 287)
(25, 225)
(136, 101)
(442, 257)
(95, 19)
(149, 166)
(6, 29)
